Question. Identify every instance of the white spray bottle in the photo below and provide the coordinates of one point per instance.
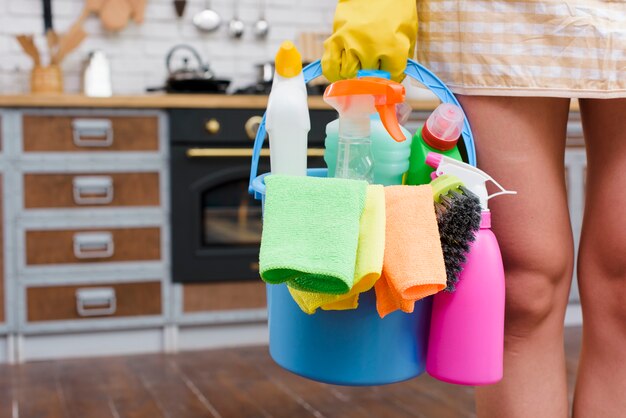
(287, 118)
(356, 100)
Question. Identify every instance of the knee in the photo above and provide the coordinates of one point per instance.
(602, 277)
(537, 286)
(602, 258)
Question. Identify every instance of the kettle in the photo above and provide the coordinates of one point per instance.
(97, 76)
(192, 79)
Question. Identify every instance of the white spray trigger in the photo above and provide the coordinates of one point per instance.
(502, 191)
(472, 177)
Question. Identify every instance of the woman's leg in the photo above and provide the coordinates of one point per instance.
(601, 385)
(521, 143)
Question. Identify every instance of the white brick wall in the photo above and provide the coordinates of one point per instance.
(137, 53)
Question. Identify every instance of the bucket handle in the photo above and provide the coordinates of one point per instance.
(414, 70)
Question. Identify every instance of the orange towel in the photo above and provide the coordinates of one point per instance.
(413, 266)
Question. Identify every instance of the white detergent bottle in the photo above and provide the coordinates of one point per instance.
(287, 117)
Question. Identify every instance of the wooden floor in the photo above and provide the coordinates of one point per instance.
(223, 383)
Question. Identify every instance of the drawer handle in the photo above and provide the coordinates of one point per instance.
(93, 190)
(92, 132)
(96, 301)
(93, 245)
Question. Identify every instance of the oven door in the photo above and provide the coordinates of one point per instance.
(216, 224)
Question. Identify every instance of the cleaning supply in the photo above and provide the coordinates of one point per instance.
(311, 232)
(413, 267)
(458, 219)
(391, 158)
(466, 341)
(440, 133)
(356, 100)
(369, 259)
(287, 117)
(370, 34)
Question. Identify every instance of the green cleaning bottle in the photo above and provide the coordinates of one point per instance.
(390, 158)
(440, 134)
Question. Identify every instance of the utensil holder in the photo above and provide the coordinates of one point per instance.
(46, 80)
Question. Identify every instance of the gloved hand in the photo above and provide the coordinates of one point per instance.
(370, 34)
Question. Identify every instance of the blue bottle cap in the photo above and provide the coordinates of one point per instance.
(373, 73)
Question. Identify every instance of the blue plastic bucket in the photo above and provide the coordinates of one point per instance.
(354, 347)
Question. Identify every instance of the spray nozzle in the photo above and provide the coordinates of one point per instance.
(473, 178)
(357, 99)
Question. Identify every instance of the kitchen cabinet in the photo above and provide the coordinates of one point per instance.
(88, 220)
(86, 240)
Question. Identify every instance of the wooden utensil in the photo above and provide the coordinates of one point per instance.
(91, 6)
(28, 45)
(114, 14)
(69, 42)
(139, 8)
(53, 41)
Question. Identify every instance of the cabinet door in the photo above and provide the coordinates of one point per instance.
(58, 303)
(90, 134)
(79, 190)
(74, 246)
(204, 297)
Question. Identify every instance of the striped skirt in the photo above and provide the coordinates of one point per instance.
(553, 48)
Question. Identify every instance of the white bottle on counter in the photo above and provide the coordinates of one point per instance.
(287, 117)
(97, 76)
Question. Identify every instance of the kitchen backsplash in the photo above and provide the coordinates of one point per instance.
(137, 53)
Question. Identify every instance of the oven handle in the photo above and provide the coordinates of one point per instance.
(240, 152)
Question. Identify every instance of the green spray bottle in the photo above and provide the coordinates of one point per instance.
(439, 134)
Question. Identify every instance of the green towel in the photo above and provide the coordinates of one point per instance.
(311, 232)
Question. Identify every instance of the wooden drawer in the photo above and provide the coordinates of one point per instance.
(223, 296)
(90, 134)
(99, 245)
(90, 190)
(54, 303)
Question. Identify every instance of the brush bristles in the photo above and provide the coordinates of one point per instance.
(458, 219)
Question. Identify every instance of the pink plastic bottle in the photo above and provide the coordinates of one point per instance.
(466, 340)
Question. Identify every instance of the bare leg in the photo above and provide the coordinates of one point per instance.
(601, 385)
(521, 142)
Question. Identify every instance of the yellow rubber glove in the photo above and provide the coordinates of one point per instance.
(370, 35)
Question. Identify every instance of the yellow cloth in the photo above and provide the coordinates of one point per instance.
(370, 35)
(413, 267)
(369, 259)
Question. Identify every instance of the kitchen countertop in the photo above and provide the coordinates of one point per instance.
(163, 101)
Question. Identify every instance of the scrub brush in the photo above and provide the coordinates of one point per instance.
(458, 218)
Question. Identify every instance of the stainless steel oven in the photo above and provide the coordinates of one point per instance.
(216, 224)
